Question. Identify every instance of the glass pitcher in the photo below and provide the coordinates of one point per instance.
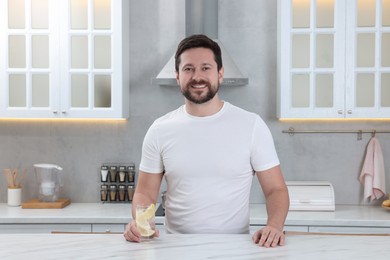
(49, 181)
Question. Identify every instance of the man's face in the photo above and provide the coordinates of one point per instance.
(198, 75)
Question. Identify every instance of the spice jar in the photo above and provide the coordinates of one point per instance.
(122, 173)
(104, 173)
(113, 173)
(130, 192)
(131, 172)
(103, 192)
(122, 192)
(113, 193)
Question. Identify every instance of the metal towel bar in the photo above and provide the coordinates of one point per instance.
(291, 131)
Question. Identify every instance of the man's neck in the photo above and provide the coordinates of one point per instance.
(206, 109)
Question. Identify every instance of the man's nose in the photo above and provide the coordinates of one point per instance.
(197, 75)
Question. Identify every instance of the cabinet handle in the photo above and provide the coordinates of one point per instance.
(340, 112)
(63, 112)
(108, 230)
(349, 111)
(55, 111)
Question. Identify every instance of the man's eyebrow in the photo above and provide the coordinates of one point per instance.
(203, 64)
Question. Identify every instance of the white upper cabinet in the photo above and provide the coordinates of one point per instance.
(64, 59)
(334, 59)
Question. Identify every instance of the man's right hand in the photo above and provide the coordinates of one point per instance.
(132, 234)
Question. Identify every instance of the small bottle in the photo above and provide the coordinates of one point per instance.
(122, 173)
(104, 173)
(113, 173)
(103, 192)
(131, 172)
(122, 192)
(113, 193)
(130, 192)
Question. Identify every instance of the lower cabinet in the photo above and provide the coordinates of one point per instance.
(253, 228)
(350, 230)
(115, 228)
(119, 228)
(108, 228)
(43, 228)
(49, 228)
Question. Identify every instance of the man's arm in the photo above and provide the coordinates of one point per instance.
(146, 192)
(277, 203)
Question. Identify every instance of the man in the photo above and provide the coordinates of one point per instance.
(208, 151)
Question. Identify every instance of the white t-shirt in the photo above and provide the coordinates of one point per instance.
(209, 163)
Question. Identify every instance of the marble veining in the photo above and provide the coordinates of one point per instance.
(175, 246)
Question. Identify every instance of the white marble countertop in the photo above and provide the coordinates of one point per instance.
(174, 246)
(365, 216)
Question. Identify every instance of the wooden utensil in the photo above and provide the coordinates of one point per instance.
(9, 177)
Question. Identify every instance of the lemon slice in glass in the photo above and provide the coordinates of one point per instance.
(142, 221)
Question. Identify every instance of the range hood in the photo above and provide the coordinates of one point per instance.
(202, 18)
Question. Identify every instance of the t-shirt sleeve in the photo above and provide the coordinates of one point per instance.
(263, 153)
(151, 161)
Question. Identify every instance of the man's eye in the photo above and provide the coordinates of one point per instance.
(187, 69)
(206, 68)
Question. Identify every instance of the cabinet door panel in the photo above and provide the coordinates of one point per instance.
(39, 14)
(385, 53)
(17, 51)
(253, 228)
(301, 13)
(311, 69)
(102, 14)
(43, 228)
(16, 17)
(333, 58)
(108, 228)
(385, 12)
(64, 59)
(368, 56)
(325, 13)
(385, 90)
(350, 230)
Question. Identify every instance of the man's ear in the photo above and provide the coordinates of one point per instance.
(220, 75)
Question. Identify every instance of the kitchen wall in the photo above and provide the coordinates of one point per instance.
(248, 29)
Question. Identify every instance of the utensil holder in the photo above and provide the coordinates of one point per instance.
(14, 198)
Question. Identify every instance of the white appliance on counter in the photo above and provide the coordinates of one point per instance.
(311, 195)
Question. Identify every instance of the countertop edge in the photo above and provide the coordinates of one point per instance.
(97, 213)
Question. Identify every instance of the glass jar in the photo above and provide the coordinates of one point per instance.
(104, 192)
(130, 192)
(122, 173)
(113, 193)
(122, 192)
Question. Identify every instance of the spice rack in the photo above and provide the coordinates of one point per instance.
(117, 182)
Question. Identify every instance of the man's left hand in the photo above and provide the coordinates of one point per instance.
(269, 237)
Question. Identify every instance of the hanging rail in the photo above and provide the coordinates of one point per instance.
(291, 131)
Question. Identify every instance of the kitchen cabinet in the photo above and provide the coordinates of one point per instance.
(334, 59)
(108, 228)
(43, 228)
(48, 228)
(350, 230)
(254, 228)
(64, 59)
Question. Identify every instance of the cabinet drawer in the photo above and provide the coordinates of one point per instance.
(108, 228)
(350, 230)
(253, 229)
(43, 228)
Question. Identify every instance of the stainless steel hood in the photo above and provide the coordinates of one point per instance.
(202, 18)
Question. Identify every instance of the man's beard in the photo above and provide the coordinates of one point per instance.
(200, 99)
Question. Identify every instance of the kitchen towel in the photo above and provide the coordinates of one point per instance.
(373, 171)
